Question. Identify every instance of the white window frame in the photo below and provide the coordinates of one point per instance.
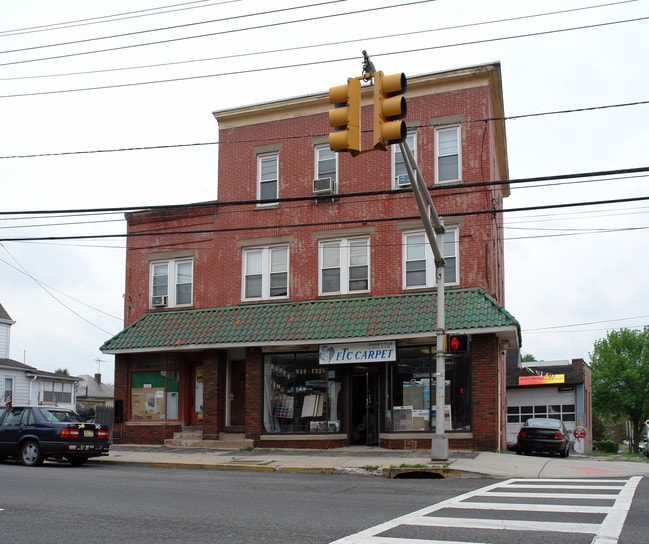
(450, 252)
(174, 280)
(345, 263)
(318, 173)
(261, 159)
(442, 153)
(267, 270)
(411, 138)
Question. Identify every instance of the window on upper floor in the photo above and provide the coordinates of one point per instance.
(400, 177)
(448, 155)
(172, 283)
(265, 272)
(419, 261)
(344, 266)
(326, 170)
(268, 178)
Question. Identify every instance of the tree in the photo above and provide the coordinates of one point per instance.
(620, 373)
(62, 371)
(528, 358)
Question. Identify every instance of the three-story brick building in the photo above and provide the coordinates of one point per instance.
(299, 308)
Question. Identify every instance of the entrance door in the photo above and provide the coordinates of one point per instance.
(194, 403)
(237, 393)
(365, 408)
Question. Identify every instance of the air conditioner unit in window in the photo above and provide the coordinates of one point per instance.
(403, 179)
(323, 186)
(160, 300)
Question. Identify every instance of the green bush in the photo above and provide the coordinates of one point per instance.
(605, 446)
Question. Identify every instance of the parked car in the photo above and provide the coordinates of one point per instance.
(543, 435)
(35, 433)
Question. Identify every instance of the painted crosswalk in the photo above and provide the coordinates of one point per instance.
(587, 511)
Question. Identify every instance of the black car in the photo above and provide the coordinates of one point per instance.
(35, 433)
(543, 435)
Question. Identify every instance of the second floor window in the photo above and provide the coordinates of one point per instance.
(448, 157)
(344, 266)
(171, 283)
(268, 177)
(265, 272)
(326, 165)
(419, 261)
(401, 177)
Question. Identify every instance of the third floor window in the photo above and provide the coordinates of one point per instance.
(448, 155)
(268, 178)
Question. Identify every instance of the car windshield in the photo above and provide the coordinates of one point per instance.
(542, 422)
(61, 415)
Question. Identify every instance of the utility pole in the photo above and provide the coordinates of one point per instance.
(389, 128)
(434, 228)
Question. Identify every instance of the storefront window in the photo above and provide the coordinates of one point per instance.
(300, 395)
(412, 392)
(154, 395)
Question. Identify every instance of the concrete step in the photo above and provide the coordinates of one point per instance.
(194, 439)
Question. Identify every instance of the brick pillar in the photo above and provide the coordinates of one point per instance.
(254, 393)
(485, 378)
(213, 393)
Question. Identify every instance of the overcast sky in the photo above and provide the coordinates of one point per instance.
(108, 104)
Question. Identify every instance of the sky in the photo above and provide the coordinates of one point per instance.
(107, 105)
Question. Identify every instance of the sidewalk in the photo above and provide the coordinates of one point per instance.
(377, 462)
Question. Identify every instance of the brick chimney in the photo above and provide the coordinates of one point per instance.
(98, 378)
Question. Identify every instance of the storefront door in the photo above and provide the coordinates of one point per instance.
(365, 407)
(237, 393)
(195, 396)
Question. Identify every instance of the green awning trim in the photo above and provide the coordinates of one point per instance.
(313, 322)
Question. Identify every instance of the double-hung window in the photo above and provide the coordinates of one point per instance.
(448, 163)
(268, 178)
(326, 166)
(344, 265)
(171, 283)
(265, 272)
(419, 261)
(400, 173)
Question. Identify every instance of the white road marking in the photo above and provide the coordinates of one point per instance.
(606, 532)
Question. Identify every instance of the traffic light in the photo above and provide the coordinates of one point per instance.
(345, 117)
(389, 109)
(457, 343)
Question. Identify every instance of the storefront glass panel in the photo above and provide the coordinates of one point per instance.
(300, 395)
(154, 395)
(412, 392)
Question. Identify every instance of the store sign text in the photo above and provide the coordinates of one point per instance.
(362, 352)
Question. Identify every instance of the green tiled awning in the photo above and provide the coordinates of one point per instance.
(357, 319)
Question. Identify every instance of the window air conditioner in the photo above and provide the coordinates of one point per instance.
(403, 179)
(160, 300)
(323, 186)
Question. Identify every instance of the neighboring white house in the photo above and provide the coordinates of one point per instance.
(26, 384)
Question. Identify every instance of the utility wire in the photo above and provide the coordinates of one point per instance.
(298, 136)
(267, 51)
(304, 64)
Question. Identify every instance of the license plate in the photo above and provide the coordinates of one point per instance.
(88, 434)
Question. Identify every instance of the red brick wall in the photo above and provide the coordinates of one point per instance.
(213, 232)
(486, 383)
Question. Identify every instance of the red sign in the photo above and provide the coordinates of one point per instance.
(579, 433)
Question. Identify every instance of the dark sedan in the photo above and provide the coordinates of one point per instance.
(35, 433)
(543, 435)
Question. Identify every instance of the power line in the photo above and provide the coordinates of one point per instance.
(112, 18)
(296, 136)
(304, 64)
(198, 36)
(267, 51)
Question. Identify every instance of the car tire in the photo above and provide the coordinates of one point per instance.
(30, 454)
(77, 461)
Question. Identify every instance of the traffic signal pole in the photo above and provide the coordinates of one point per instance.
(389, 128)
(434, 228)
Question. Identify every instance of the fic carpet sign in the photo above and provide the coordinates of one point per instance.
(542, 379)
(361, 352)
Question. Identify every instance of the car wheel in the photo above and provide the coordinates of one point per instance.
(519, 451)
(30, 454)
(77, 461)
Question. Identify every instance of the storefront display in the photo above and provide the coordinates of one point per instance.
(300, 395)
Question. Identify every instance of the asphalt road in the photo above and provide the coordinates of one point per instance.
(101, 504)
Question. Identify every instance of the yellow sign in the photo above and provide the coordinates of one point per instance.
(545, 379)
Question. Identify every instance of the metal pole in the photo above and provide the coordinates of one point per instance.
(434, 228)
